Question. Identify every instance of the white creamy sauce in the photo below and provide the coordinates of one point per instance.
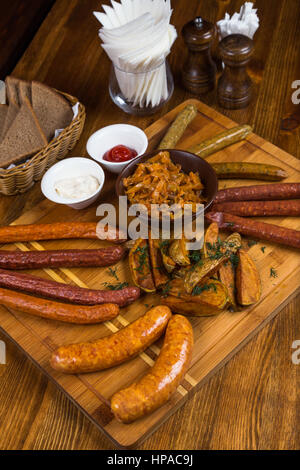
(78, 187)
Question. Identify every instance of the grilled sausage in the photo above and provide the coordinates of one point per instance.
(263, 192)
(220, 141)
(60, 230)
(260, 208)
(156, 387)
(61, 258)
(57, 311)
(245, 170)
(73, 294)
(255, 229)
(114, 349)
(178, 127)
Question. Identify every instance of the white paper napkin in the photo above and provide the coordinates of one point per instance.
(137, 37)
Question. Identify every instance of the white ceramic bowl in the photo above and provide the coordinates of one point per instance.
(69, 168)
(111, 136)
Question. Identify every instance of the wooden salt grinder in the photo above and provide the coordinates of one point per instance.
(235, 85)
(199, 71)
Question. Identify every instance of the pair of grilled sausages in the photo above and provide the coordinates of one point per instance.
(156, 387)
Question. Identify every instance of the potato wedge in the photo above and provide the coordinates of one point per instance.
(168, 263)
(209, 266)
(159, 276)
(140, 268)
(211, 299)
(248, 282)
(210, 238)
(227, 277)
(179, 252)
(192, 309)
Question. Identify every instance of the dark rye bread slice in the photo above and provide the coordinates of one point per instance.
(51, 109)
(12, 92)
(11, 114)
(24, 89)
(23, 139)
(3, 112)
(17, 89)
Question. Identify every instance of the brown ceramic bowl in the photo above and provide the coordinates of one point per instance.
(189, 162)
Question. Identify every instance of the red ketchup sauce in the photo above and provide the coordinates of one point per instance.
(119, 154)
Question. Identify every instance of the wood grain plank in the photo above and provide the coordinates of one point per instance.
(217, 338)
(234, 410)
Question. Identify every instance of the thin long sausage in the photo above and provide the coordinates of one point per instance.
(246, 170)
(289, 208)
(51, 310)
(113, 349)
(156, 387)
(61, 258)
(220, 141)
(73, 294)
(255, 229)
(177, 128)
(59, 231)
(263, 192)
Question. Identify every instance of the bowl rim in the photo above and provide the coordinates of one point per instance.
(65, 201)
(111, 126)
(148, 155)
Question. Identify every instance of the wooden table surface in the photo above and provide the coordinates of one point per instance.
(252, 402)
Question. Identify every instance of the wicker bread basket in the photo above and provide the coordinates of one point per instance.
(19, 179)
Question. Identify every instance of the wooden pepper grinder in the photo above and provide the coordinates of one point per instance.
(235, 85)
(199, 71)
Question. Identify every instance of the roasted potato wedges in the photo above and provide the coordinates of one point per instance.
(210, 238)
(248, 282)
(159, 276)
(211, 299)
(140, 267)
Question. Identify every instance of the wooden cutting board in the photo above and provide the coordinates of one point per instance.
(217, 338)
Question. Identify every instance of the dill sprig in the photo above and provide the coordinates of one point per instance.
(273, 272)
(117, 286)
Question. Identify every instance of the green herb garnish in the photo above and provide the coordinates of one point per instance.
(199, 289)
(118, 286)
(143, 257)
(195, 256)
(251, 243)
(234, 259)
(113, 273)
(163, 245)
(263, 249)
(273, 273)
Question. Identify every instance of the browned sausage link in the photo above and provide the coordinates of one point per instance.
(73, 294)
(255, 229)
(113, 349)
(59, 231)
(263, 192)
(61, 258)
(156, 387)
(260, 208)
(56, 310)
(220, 141)
(246, 170)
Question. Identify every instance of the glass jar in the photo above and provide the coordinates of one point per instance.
(143, 92)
